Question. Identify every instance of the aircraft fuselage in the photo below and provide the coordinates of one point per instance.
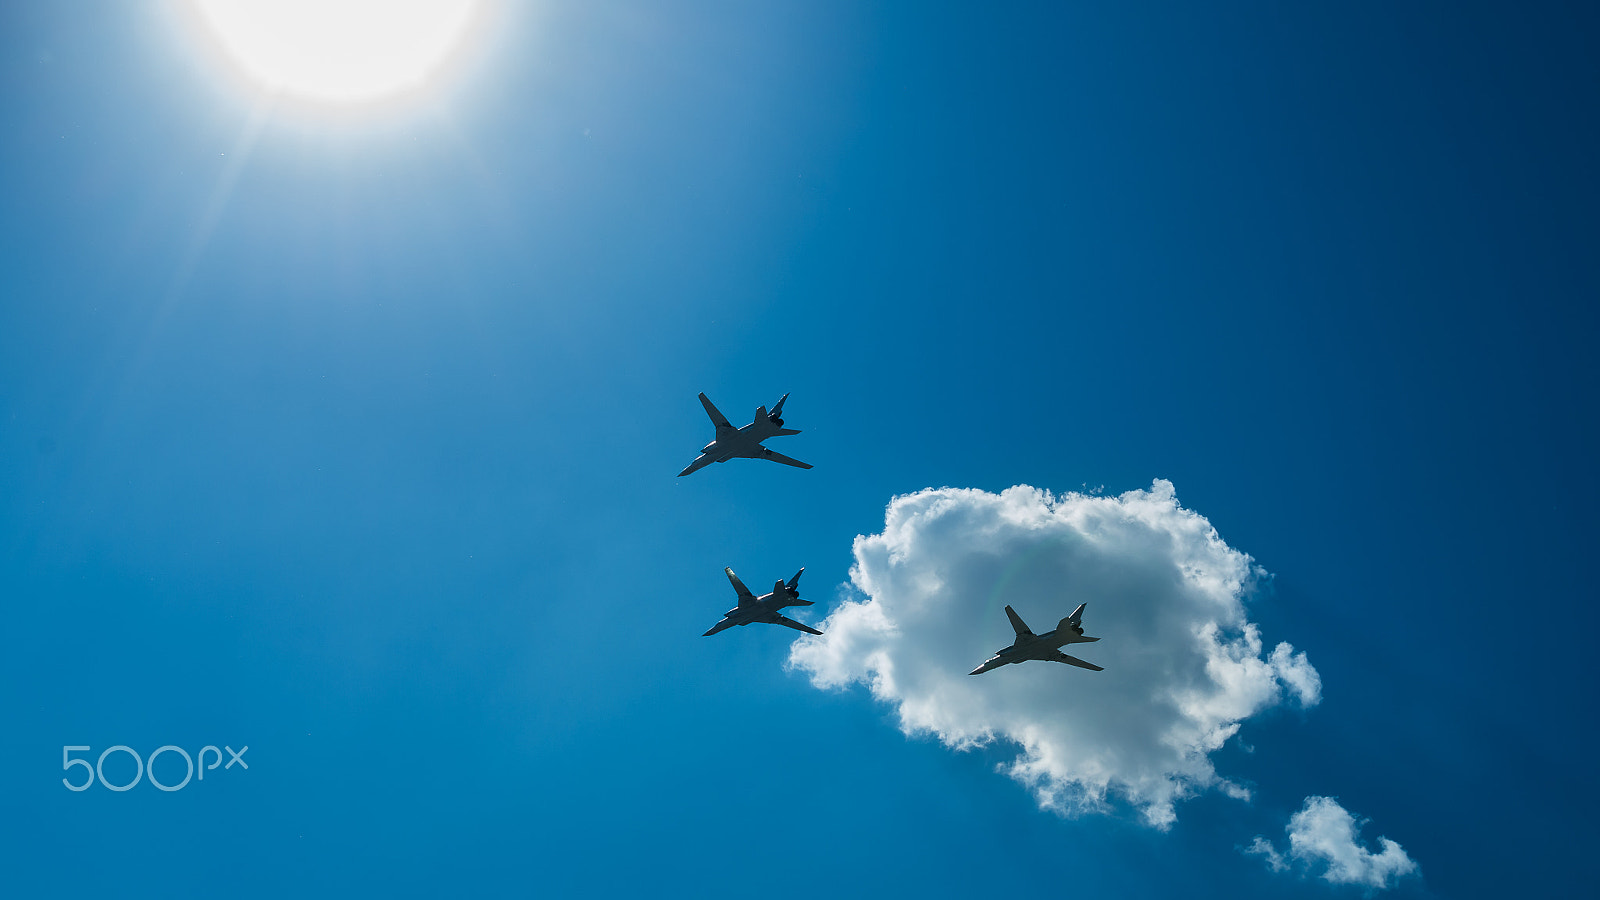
(743, 443)
(1044, 647)
(764, 609)
(1040, 647)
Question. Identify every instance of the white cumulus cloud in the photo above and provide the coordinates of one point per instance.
(1184, 666)
(1322, 836)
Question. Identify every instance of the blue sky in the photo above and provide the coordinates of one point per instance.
(352, 438)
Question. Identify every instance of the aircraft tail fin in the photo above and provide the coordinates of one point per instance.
(793, 587)
(776, 416)
(1074, 622)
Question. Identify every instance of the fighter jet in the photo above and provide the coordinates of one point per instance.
(732, 443)
(765, 607)
(1041, 646)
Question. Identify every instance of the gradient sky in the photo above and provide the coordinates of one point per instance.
(352, 437)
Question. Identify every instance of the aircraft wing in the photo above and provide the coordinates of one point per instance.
(717, 418)
(780, 458)
(1058, 656)
(1017, 625)
(785, 620)
(745, 597)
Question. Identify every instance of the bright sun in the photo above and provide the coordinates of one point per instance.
(339, 51)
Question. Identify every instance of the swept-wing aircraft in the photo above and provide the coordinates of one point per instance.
(734, 443)
(1041, 646)
(765, 607)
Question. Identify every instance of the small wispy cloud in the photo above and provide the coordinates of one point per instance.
(1184, 666)
(1263, 848)
(1323, 837)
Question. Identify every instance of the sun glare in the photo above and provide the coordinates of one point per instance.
(339, 51)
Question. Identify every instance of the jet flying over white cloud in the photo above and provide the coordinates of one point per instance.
(1183, 665)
